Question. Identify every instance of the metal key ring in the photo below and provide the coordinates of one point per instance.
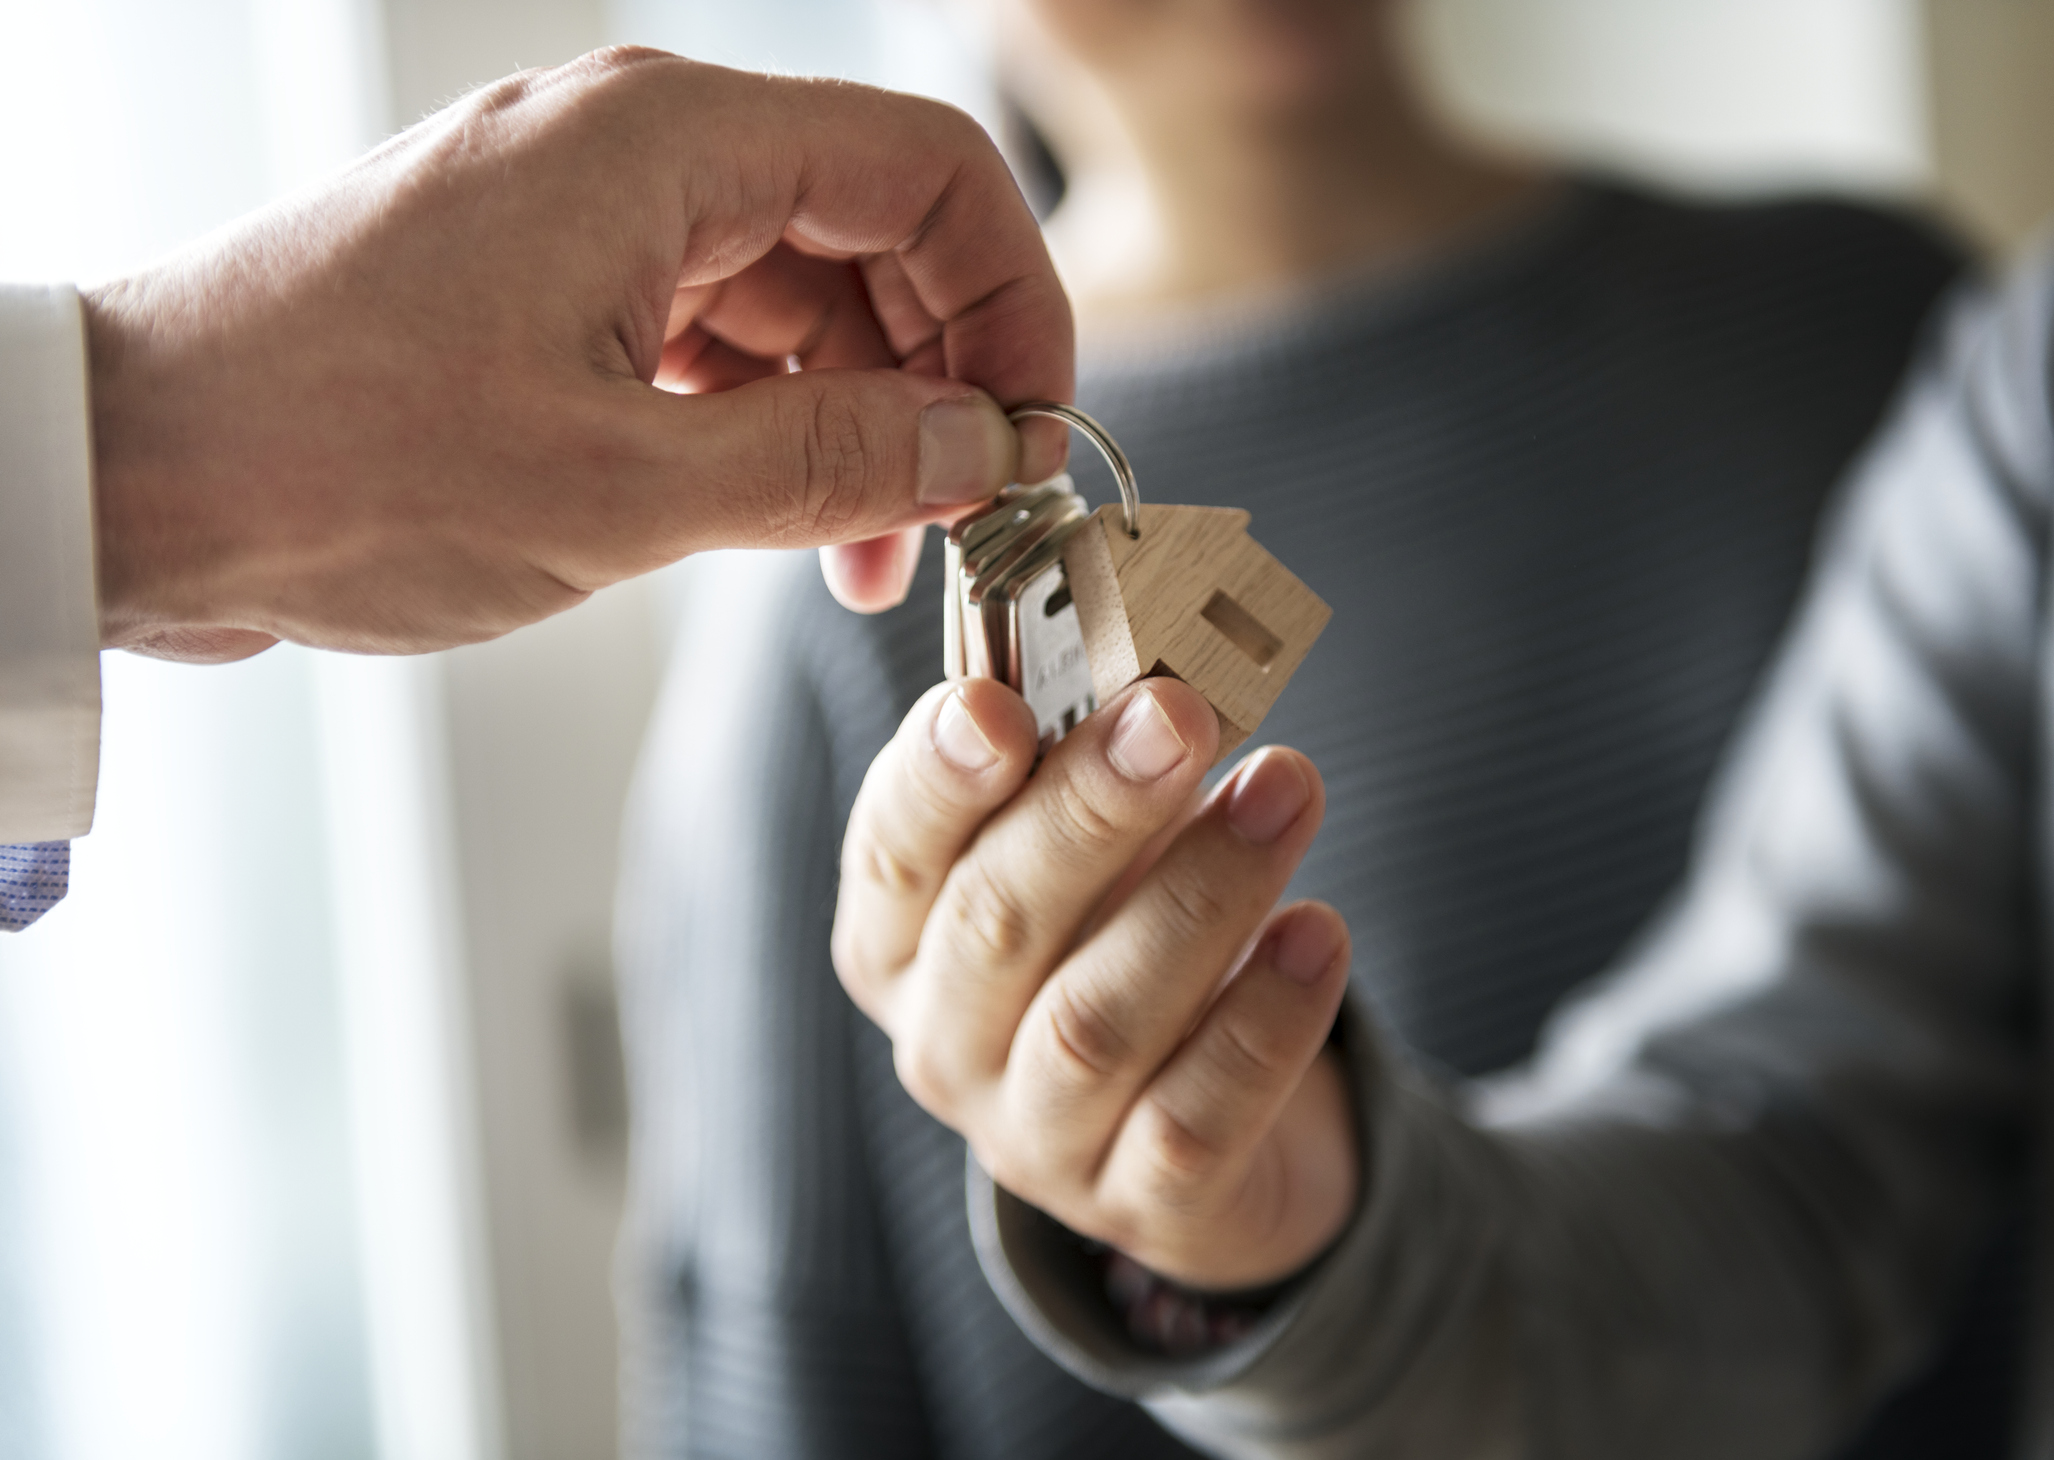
(1123, 470)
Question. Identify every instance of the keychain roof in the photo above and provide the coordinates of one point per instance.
(1184, 592)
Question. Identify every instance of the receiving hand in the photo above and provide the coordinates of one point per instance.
(420, 405)
(1082, 973)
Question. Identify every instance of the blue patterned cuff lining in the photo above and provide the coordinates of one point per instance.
(33, 879)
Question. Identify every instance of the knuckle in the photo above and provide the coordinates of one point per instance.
(816, 489)
(925, 1074)
(1179, 1162)
(962, 131)
(1189, 902)
(584, 95)
(616, 59)
(870, 984)
(851, 965)
(502, 95)
(836, 469)
(608, 69)
(1018, 1160)
(1085, 1034)
(1248, 1055)
(1075, 820)
(932, 117)
(991, 915)
(1119, 1229)
(889, 870)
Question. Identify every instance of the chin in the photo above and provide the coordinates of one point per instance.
(1294, 83)
(1287, 53)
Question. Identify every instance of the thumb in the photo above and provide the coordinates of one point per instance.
(833, 456)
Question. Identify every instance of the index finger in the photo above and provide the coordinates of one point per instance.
(960, 753)
(1012, 905)
(861, 171)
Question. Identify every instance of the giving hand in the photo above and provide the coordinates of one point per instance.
(420, 405)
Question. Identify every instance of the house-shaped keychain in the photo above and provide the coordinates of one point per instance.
(1070, 606)
(1194, 596)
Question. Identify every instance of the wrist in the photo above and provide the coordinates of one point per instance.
(152, 546)
(1168, 1318)
(115, 338)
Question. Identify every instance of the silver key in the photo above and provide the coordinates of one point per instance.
(1007, 612)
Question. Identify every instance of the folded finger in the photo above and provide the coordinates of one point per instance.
(914, 335)
(1189, 1141)
(1104, 1026)
(874, 574)
(1014, 904)
(961, 752)
(786, 304)
(696, 363)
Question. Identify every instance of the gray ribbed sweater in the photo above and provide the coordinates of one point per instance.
(1559, 490)
(1740, 1189)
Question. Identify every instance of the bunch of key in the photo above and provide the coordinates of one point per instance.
(1070, 606)
(1008, 613)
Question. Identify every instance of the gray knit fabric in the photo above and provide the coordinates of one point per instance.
(1739, 1190)
(1559, 490)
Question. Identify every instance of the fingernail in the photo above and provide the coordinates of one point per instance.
(1267, 797)
(1306, 948)
(960, 740)
(966, 451)
(1145, 745)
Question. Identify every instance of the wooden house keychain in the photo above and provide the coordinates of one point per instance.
(1070, 606)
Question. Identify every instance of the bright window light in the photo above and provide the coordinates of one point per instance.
(236, 1215)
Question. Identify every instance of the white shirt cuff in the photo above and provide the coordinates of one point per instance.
(49, 606)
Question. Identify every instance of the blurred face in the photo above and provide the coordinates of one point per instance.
(1261, 54)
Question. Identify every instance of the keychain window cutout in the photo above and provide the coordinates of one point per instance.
(1242, 629)
(1144, 601)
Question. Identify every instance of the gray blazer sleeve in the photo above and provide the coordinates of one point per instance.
(1734, 1195)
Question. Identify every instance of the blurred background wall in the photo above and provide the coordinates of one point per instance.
(1945, 99)
(311, 1129)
